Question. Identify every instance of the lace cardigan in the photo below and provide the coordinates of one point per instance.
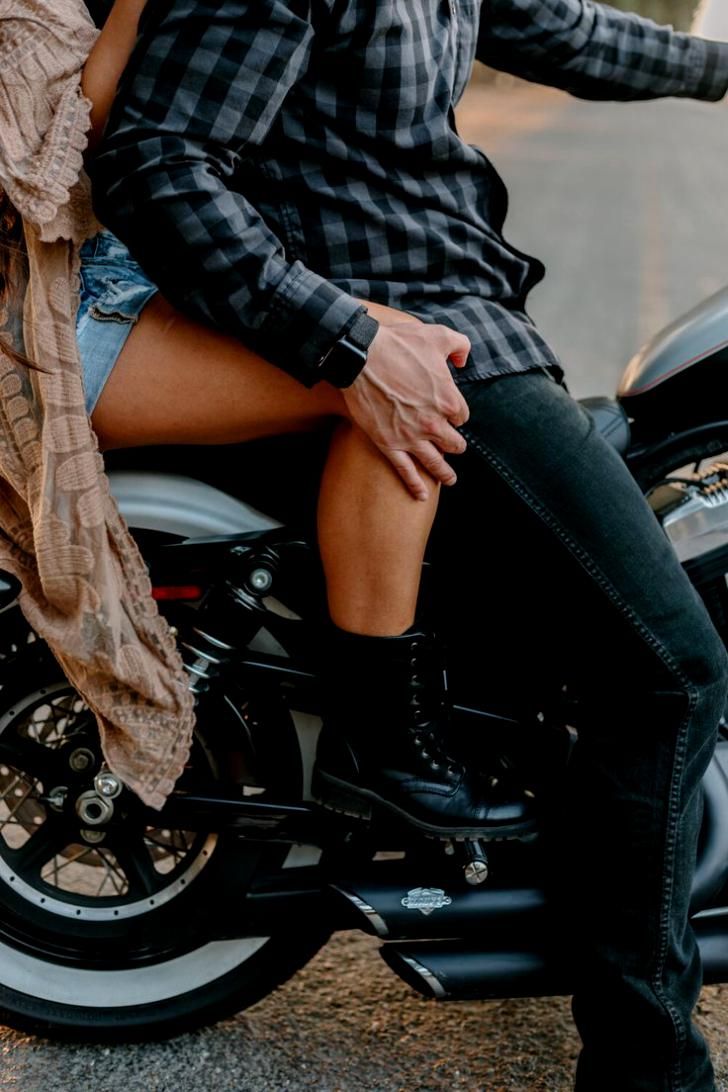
(85, 587)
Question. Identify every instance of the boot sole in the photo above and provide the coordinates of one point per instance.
(346, 799)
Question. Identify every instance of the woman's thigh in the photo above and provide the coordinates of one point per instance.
(178, 382)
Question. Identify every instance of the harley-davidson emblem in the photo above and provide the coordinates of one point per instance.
(426, 899)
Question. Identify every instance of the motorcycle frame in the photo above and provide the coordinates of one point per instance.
(441, 955)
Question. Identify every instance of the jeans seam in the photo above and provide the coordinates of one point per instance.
(582, 557)
(691, 693)
(666, 903)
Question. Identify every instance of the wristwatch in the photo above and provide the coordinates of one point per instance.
(343, 362)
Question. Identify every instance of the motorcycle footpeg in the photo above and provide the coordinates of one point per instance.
(475, 866)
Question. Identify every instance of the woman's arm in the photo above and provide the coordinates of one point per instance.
(107, 61)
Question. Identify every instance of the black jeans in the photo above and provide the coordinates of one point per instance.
(594, 592)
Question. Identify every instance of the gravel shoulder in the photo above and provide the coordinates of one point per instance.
(345, 1023)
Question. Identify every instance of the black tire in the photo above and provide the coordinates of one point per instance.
(139, 961)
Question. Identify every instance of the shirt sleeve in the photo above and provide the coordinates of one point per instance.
(203, 90)
(44, 117)
(597, 52)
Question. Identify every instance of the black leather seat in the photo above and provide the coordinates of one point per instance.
(610, 419)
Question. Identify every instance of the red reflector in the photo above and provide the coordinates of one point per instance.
(177, 591)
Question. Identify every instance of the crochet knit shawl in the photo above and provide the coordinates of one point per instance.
(85, 587)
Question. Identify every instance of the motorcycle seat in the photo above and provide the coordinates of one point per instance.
(610, 419)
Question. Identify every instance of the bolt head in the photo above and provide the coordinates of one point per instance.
(107, 785)
(261, 580)
(57, 797)
(93, 837)
(476, 872)
(80, 759)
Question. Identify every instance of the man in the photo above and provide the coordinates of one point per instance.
(267, 163)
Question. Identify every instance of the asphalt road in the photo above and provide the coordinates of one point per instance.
(627, 206)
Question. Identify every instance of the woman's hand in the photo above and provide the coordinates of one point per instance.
(107, 61)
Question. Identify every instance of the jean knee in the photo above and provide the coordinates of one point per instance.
(706, 667)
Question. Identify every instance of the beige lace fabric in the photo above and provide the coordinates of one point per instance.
(85, 587)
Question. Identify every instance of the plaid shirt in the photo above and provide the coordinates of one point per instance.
(268, 161)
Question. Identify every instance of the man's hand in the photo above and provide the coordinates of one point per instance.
(407, 402)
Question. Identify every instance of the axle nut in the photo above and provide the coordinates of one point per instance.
(93, 810)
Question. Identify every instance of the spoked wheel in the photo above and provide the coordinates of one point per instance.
(54, 848)
(108, 923)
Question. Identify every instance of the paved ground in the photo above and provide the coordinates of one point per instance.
(343, 1025)
(626, 204)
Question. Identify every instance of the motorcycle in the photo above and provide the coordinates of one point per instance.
(119, 923)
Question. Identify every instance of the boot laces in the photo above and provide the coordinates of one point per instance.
(428, 709)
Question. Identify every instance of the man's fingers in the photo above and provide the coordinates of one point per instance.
(455, 346)
(446, 438)
(460, 412)
(434, 463)
(407, 470)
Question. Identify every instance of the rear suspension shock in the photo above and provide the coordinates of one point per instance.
(228, 618)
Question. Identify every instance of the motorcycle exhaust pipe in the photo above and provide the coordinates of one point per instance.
(457, 971)
(452, 971)
(388, 906)
(711, 929)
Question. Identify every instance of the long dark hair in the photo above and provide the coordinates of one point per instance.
(13, 262)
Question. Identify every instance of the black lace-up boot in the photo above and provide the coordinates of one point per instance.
(382, 743)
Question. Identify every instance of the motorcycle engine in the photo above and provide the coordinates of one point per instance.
(693, 511)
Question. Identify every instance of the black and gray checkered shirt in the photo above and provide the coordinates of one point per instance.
(269, 160)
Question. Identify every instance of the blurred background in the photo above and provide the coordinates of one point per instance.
(625, 203)
(678, 12)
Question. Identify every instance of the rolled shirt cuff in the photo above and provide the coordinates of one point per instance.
(710, 69)
(307, 316)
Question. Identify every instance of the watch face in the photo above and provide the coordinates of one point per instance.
(346, 359)
(344, 363)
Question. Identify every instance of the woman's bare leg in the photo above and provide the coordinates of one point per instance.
(177, 382)
(372, 537)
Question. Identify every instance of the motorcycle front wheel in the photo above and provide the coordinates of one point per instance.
(108, 938)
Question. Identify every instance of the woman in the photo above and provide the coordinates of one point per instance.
(84, 586)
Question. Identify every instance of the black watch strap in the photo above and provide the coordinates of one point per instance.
(345, 360)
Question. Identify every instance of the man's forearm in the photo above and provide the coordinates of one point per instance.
(597, 52)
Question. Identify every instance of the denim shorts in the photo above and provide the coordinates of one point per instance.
(114, 292)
